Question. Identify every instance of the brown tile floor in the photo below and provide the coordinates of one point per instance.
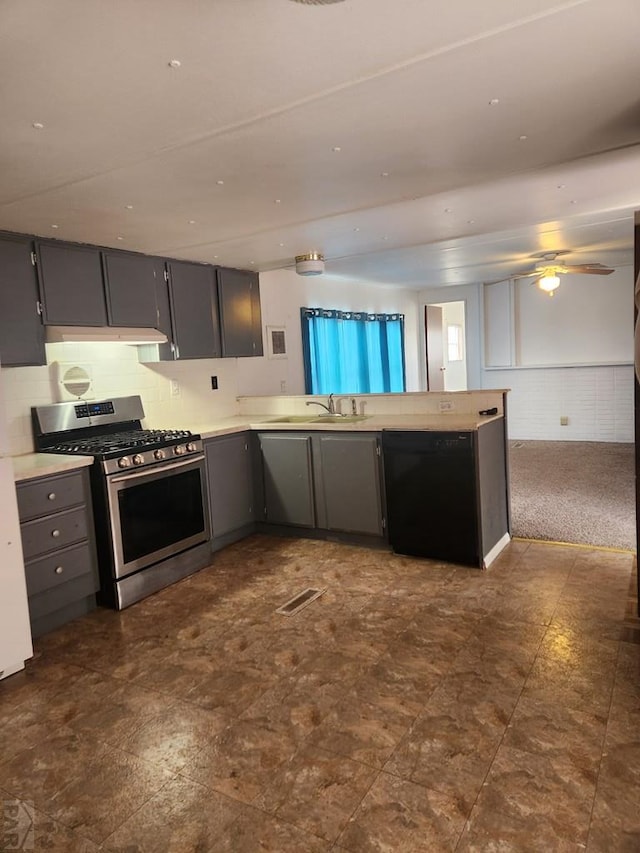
(416, 706)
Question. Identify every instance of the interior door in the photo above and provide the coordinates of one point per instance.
(435, 348)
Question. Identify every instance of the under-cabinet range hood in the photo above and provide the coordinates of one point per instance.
(103, 334)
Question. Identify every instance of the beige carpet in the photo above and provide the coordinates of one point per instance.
(574, 491)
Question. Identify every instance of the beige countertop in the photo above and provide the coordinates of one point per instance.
(371, 423)
(32, 465)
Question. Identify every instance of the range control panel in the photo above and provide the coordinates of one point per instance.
(90, 410)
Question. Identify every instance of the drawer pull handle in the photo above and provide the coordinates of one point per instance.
(59, 570)
(55, 533)
(52, 496)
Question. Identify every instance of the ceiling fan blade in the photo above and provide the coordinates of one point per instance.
(590, 269)
(514, 276)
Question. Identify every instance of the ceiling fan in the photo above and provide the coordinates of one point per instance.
(548, 270)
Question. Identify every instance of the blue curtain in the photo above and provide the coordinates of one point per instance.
(352, 352)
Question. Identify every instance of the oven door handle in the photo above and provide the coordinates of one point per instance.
(172, 466)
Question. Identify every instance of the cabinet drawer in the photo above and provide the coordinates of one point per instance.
(62, 596)
(58, 568)
(53, 532)
(51, 495)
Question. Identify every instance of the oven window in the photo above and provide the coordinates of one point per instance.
(160, 513)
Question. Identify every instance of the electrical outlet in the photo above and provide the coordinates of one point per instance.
(175, 388)
(564, 420)
(214, 383)
(283, 386)
(446, 405)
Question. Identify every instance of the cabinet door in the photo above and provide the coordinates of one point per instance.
(230, 483)
(130, 282)
(240, 318)
(21, 330)
(288, 479)
(194, 311)
(71, 285)
(350, 483)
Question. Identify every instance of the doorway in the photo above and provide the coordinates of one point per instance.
(445, 346)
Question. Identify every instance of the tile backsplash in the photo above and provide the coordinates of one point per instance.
(116, 371)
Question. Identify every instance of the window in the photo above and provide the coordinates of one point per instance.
(352, 352)
(454, 343)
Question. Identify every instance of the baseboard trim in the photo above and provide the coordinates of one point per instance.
(500, 545)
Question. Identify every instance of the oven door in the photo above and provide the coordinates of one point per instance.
(157, 512)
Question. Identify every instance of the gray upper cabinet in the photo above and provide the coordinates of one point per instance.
(71, 284)
(130, 284)
(288, 479)
(21, 330)
(194, 310)
(240, 317)
(229, 475)
(349, 493)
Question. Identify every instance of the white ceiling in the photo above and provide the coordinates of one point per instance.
(229, 158)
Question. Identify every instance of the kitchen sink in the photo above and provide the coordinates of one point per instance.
(339, 419)
(317, 419)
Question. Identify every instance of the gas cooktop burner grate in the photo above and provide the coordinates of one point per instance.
(122, 442)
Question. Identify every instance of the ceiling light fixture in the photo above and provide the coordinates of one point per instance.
(311, 263)
(38, 125)
(494, 102)
(336, 149)
(174, 63)
(549, 282)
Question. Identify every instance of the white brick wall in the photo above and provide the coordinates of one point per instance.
(598, 401)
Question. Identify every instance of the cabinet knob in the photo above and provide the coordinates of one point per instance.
(59, 570)
(55, 533)
(52, 496)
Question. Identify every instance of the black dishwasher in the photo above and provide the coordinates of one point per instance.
(432, 507)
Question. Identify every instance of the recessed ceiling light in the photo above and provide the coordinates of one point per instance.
(174, 63)
(448, 210)
(470, 221)
(494, 102)
(119, 238)
(281, 244)
(277, 201)
(573, 201)
(128, 206)
(220, 183)
(385, 237)
(191, 222)
(336, 148)
(55, 226)
(523, 137)
(216, 256)
(251, 263)
(356, 229)
(38, 125)
(384, 174)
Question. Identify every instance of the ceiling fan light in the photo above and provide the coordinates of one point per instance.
(549, 282)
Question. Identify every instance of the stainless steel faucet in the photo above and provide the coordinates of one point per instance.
(331, 408)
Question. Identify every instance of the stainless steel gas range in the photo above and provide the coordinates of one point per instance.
(148, 489)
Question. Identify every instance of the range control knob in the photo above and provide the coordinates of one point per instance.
(159, 454)
(191, 446)
(179, 450)
(138, 459)
(125, 462)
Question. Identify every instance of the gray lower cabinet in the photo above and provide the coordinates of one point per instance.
(287, 479)
(348, 482)
(56, 525)
(21, 329)
(324, 480)
(71, 284)
(230, 480)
